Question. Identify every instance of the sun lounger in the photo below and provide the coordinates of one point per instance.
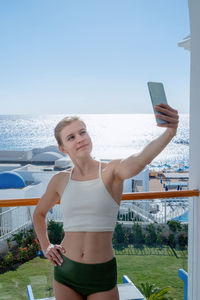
(177, 175)
(175, 185)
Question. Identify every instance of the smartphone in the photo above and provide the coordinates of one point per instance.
(157, 94)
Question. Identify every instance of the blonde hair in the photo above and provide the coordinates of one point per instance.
(64, 122)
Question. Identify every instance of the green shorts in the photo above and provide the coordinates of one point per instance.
(87, 279)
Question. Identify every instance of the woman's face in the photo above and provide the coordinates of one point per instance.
(76, 140)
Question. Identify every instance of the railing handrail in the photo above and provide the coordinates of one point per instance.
(157, 195)
(125, 197)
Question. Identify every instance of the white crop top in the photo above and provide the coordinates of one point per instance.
(88, 206)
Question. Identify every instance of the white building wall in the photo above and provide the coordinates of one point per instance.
(194, 181)
(6, 155)
(143, 176)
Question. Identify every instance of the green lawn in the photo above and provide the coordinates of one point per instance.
(37, 272)
(161, 270)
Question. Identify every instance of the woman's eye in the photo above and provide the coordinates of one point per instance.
(70, 138)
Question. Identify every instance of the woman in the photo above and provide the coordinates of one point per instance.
(84, 263)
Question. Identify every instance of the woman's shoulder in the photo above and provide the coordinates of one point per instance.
(60, 176)
(110, 164)
(59, 181)
(64, 173)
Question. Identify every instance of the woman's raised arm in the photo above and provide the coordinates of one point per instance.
(134, 164)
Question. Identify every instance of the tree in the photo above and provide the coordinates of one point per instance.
(120, 237)
(151, 235)
(55, 232)
(174, 225)
(138, 235)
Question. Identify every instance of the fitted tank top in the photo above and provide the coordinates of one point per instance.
(88, 206)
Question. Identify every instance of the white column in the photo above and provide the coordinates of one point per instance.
(194, 182)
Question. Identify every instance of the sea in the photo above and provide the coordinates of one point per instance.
(113, 136)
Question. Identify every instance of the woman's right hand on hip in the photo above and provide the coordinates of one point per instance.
(53, 254)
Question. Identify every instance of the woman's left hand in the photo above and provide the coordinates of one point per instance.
(171, 116)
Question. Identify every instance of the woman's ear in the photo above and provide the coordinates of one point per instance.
(62, 149)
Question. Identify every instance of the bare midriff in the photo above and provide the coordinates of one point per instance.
(88, 247)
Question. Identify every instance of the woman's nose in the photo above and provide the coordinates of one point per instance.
(79, 138)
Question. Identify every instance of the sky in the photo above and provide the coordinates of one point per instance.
(92, 56)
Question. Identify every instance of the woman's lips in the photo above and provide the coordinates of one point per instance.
(81, 147)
